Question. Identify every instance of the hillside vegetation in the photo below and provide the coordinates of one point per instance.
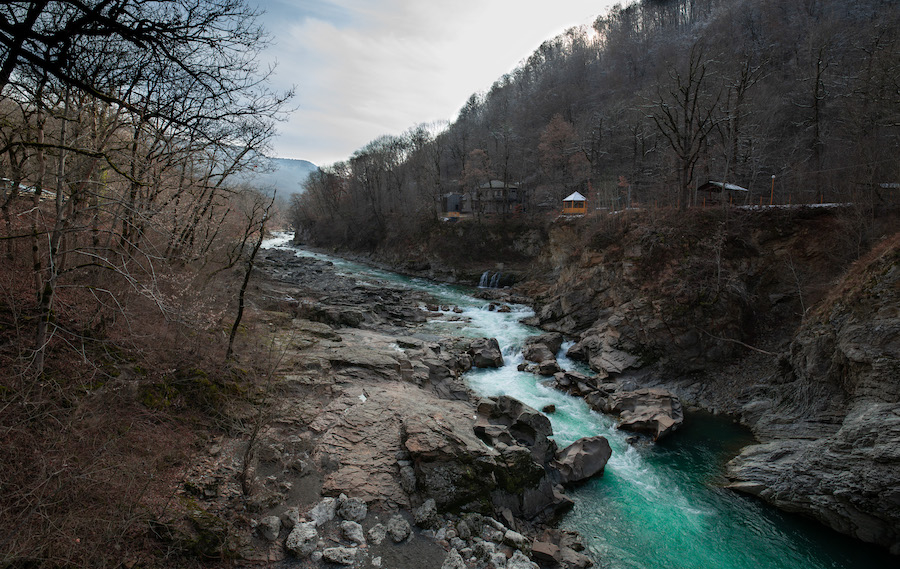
(653, 99)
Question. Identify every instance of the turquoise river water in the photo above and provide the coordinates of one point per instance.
(657, 506)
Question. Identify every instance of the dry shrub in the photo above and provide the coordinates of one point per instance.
(83, 467)
(93, 449)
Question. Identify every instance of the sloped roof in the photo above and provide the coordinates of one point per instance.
(726, 186)
(575, 197)
(498, 184)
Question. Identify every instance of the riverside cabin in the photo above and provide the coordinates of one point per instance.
(575, 204)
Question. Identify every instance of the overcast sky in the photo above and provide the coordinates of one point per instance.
(364, 68)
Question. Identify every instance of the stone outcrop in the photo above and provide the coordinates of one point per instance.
(508, 421)
(652, 411)
(542, 351)
(833, 448)
(542, 347)
(683, 292)
(521, 437)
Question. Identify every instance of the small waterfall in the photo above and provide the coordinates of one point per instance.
(488, 281)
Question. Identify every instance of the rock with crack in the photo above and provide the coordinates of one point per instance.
(848, 480)
(542, 347)
(507, 420)
(521, 436)
(834, 424)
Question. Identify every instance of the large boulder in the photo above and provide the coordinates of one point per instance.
(583, 459)
(543, 347)
(608, 349)
(507, 420)
(575, 383)
(521, 437)
(485, 352)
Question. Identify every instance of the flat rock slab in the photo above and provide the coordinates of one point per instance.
(360, 448)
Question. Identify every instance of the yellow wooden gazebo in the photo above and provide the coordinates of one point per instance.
(575, 204)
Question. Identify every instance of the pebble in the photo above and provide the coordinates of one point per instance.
(377, 533)
(353, 532)
(340, 555)
(353, 509)
(398, 528)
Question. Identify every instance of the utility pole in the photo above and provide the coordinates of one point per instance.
(772, 194)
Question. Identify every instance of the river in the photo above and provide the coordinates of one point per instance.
(657, 506)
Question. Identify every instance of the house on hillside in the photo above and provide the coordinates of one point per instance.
(498, 197)
(491, 198)
(574, 204)
(722, 192)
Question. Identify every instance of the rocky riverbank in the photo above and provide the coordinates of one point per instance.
(757, 317)
(716, 307)
(832, 425)
(724, 309)
(367, 449)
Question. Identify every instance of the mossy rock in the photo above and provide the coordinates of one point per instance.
(518, 471)
(197, 534)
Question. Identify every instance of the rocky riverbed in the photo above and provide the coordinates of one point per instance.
(367, 449)
(366, 405)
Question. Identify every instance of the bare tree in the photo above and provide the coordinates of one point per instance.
(686, 113)
(143, 114)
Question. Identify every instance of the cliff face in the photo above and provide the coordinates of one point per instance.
(754, 314)
(686, 292)
(845, 376)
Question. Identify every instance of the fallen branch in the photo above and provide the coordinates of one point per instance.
(732, 340)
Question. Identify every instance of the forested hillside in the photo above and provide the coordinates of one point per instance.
(653, 99)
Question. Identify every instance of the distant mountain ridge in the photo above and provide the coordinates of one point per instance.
(286, 177)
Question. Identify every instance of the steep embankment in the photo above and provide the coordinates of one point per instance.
(685, 291)
(844, 379)
(457, 252)
(709, 305)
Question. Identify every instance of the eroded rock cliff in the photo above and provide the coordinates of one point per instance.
(835, 422)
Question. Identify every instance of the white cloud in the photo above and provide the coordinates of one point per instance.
(367, 68)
